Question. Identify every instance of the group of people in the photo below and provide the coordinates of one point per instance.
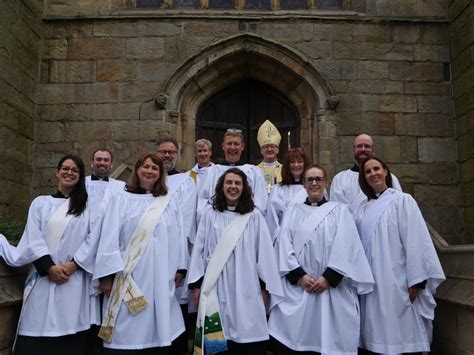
(259, 253)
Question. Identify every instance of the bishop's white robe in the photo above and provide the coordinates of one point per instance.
(401, 254)
(326, 322)
(53, 310)
(345, 186)
(242, 311)
(161, 321)
(281, 198)
(208, 188)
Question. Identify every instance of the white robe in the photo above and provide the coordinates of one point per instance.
(326, 322)
(401, 254)
(214, 172)
(345, 186)
(241, 305)
(200, 174)
(53, 310)
(281, 198)
(99, 192)
(161, 321)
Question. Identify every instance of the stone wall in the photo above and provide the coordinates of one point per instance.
(462, 52)
(100, 75)
(20, 50)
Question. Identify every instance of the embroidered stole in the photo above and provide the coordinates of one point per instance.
(209, 335)
(372, 216)
(305, 230)
(124, 287)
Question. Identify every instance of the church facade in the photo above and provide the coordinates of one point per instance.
(79, 75)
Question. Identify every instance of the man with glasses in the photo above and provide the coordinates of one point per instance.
(233, 144)
(269, 139)
(345, 185)
(167, 151)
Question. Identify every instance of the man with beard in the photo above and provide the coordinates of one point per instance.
(345, 185)
(167, 151)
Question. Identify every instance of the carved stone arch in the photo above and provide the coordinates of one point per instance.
(250, 56)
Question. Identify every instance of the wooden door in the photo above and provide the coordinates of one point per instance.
(246, 105)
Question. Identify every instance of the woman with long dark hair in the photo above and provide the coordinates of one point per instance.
(56, 313)
(233, 271)
(289, 191)
(397, 316)
(141, 259)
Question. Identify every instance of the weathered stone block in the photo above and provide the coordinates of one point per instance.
(372, 70)
(447, 221)
(427, 88)
(464, 123)
(148, 47)
(434, 33)
(67, 29)
(68, 112)
(142, 28)
(316, 50)
(71, 71)
(116, 111)
(137, 91)
(339, 69)
(341, 32)
(435, 104)
(406, 71)
(466, 170)
(125, 130)
(366, 32)
(468, 193)
(95, 48)
(406, 33)
(419, 124)
(464, 83)
(50, 132)
(49, 154)
(435, 174)
(397, 103)
(88, 131)
(409, 149)
(116, 70)
(153, 70)
(388, 148)
(355, 123)
(438, 196)
(375, 87)
(412, 8)
(55, 49)
(431, 53)
(462, 62)
(436, 150)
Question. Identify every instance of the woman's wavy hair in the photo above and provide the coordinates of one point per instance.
(364, 185)
(291, 155)
(245, 204)
(160, 188)
(78, 195)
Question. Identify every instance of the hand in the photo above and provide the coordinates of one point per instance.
(412, 293)
(307, 282)
(58, 274)
(265, 296)
(196, 295)
(320, 285)
(105, 285)
(178, 279)
(70, 267)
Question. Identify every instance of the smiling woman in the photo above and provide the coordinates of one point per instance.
(55, 319)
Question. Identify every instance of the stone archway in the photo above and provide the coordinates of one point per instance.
(249, 56)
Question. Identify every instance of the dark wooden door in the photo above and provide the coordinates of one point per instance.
(246, 105)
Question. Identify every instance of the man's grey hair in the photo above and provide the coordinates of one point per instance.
(160, 141)
(234, 132)
(201, 142)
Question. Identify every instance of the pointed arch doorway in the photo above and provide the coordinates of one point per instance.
(245, 105)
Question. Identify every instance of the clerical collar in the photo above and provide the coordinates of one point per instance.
(98, 178)
(377, 195)
(58, 194)
(231, 208)
(138, 190)
(314, 204)
(225, 162)
(270, 165)
(355, 168)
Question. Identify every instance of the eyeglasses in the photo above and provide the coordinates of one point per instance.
(169, 152)
(311, 179)
(363, 145)
(67, 169)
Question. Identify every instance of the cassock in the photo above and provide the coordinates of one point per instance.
(208, 188)
(238, 287)
(320, 240)
(161, 321)
(401, 255)
(281, 198)
(345, 186)
(53, 310)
